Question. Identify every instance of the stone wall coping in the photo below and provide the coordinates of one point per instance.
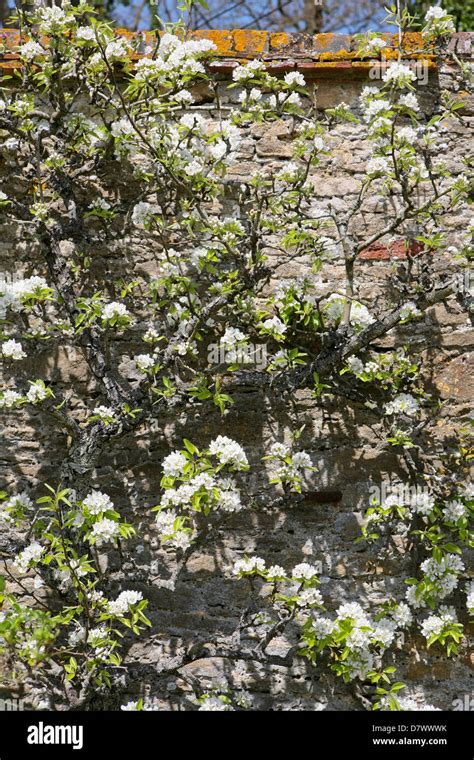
(318, 53)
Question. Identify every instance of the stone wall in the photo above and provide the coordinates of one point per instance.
(345, 441)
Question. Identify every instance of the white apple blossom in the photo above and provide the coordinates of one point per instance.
(114, 309)
(301, 460)
(98, 502)
(77, 636)
(374, 107)
(454, 511)
(52, 18)
(375, 44)
(100, 203)
(407, 704)
(355, 364)
(117, 50)
(404, 403)
(232, 336)
(104, 530)
(229, 500)
(304, 571)
(250, 71)
(279, 450)
(249, 565)
(228, 452)
(378, 165)
(85, 33)
(123, 128)
(193, 168)
(437, 22)
(105, 413)
(275, 326)
(20, 500)
(12, 349)
(130, 706)
(322, 627)
(151, 335)
(141, 213)
(407, 135)
(184, 97)
(295, 79)
(275, 572)
(31, 50)
(37, 392)
(29, 557)
(309, 597)
(402, 615)
(253, 96)
(409, 101)
(192, 121)
(124, 600)
(143, 362)
(409, 310)
(368, 91)
(422, 503)
(174, 464)
(434, 624)
(10, 399)
(399, 73)
(214, 704)
(360, 315)
(470, 597)
(354, 611)
(96, 636)
(384, 631)
(218, 150)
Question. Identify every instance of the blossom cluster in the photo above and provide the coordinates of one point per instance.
(124, 601)
(355, 639)
(438, 23)
(290, 466)
(442, 578)
(403, 403)
(194, 483)
(390, 369)
(29, 557)
(360, 316)
(17, 294)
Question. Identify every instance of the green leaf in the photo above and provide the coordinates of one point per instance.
(190, 446)
(452, 548)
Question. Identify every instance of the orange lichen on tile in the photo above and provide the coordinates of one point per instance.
(328, 68)
(390, 54)
(239, 45)
(10, 65)
(413, 42)
(279, 40)
(324, 39)
(333, 65)
(9, 38)
(122, 32)
(251, 42)
(340, 55)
